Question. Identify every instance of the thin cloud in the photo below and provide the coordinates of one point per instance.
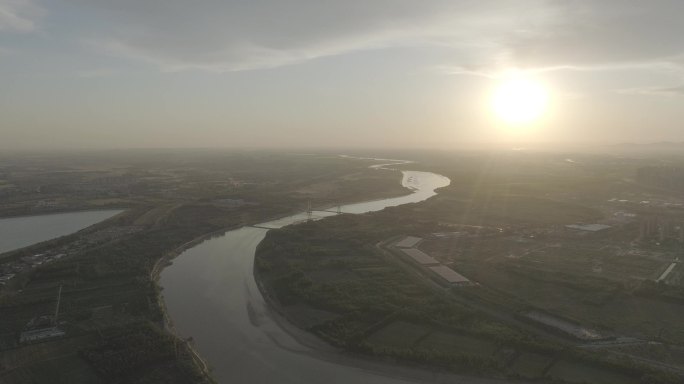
(671, 66)
(657, 91)
(231, 36)
(95, 73)
(19, 16)
(483, 37)
(234, 57)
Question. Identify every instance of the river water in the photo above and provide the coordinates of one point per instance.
(211, 296)
(19, 232)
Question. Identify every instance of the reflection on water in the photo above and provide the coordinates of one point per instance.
(19, 232)
(211, 295)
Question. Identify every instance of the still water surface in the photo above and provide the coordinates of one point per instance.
(211, 296)
(19, 232)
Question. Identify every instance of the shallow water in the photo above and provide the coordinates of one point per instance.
(211, 295)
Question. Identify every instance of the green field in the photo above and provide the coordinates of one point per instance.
(575, 372)
(398, 334)
(530, 365)
(458, 344)
(57, 370)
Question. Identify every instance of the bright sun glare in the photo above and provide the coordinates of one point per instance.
(519, 101)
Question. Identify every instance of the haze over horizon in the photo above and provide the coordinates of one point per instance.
(299, 73)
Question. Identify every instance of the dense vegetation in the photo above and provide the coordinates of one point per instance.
(124, 352)
(339, 279)
(110, 303)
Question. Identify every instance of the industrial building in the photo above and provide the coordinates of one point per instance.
(429, 264)
(40, 334)
(420, 257)
(408, 242)
(588, 227)
(449, 275)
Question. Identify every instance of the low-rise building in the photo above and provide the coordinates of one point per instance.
(449, 276)
(420, 257)
(408, 242)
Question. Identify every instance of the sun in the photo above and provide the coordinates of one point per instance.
(520, 101)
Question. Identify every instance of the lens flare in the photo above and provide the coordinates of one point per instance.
(520, 101)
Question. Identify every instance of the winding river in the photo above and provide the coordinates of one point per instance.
(211, 295)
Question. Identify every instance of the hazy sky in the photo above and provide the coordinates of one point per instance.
(372, 73)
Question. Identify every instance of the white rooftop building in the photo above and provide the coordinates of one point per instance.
(588, 227)
(408, 242)
(420, 257)
(449, 275)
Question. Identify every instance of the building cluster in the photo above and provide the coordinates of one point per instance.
(446, 275)
(660, 229)
(10, 269)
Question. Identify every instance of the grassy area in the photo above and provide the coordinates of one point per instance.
(459, 343)
(58, 370)
(577, 372)
(399, 334)
(530, 365)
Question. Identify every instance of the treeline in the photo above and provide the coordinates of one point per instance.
(453, 361)
(124, 350)
(142, 353)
